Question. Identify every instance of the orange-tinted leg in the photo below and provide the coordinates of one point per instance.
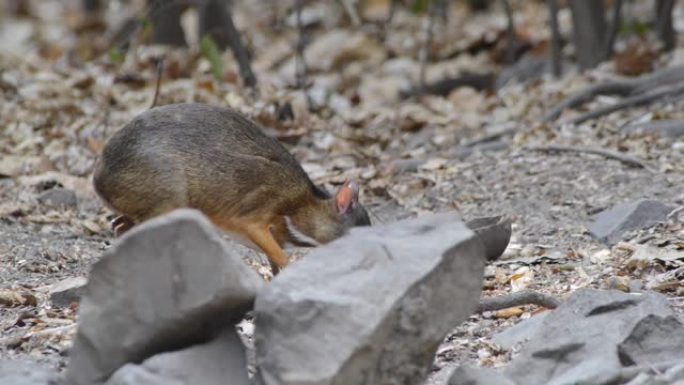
(263, 238)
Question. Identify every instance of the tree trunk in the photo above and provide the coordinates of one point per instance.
(217, 21)
(92, 6)
(165, 18)
(589, 26)
(556, 67)
(664, 25)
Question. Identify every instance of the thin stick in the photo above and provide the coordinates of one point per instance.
(524, 297)
(634, 101)
(350, 8)
(301, 67)
(510, 32)
(425, 50)
(555, 39)
(666, 128)
(627, 87)
(160, 71)
(622, 88)
(626, 159)
(239, 51)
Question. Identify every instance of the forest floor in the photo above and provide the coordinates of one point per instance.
(471, 151)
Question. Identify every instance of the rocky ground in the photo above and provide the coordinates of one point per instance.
(474, 152)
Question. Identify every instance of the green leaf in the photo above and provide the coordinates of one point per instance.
(211, 52)
(420, 6)
(116, 55)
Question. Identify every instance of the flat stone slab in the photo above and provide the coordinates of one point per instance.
(579, 340)
(167, 284)
(370, 308)
(608, 226)
(27, 373)
(218, 362)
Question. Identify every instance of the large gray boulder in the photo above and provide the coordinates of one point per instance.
(219, 362)
(653, 340)
(370, 308)
(609, 226)
(468, 375)
(167, 284)
(579, 340)
(27, 373)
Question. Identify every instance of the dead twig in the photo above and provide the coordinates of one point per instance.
(160, 71)
(429, 24)
(510, 32)
(491, 137)
(301, 66)
(634, 101)
(239, 50)
(350, 9)
(672, 215)
(621, 88)
(625, 87)
(667, 128)
(624, 158)
(524, 297)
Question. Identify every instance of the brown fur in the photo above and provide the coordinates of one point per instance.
(214, 160)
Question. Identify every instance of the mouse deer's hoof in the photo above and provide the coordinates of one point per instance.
(121, 224)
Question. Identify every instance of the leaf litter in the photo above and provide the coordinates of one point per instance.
(62, 94)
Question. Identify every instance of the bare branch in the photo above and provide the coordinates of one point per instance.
(510, 32)
(634, 101)
(667, 128)
(160, 71)
(622, 88)
(427, 42)
(350, 9)
(239, 50)
(626, 87)
(624, 158)
(524, 297)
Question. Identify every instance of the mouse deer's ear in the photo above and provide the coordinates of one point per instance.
(347, 196)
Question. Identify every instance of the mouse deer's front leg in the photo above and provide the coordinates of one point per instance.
(262, 236)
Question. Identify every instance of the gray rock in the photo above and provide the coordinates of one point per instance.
(520, 332)
(219, 362)
(608, 226)
(468, 375)
(370, 308)
(654, 339)
(67, 291)
(167, 284)
(494, 232)
(59, 197)
(578, 340)
(27, 373)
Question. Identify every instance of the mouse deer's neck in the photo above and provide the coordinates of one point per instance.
(314, 224)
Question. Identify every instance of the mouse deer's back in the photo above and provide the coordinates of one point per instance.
(200, 156)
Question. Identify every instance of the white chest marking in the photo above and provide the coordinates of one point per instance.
(298, 235)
